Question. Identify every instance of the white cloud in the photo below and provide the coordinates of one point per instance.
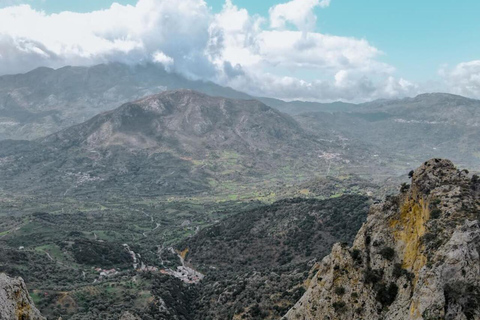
(163, 59)
(297, 12)
(463, 79)
(278, 56)
(272, 61)
(121, 33)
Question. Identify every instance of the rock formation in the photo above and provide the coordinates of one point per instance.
(15, 302)
(416, 257)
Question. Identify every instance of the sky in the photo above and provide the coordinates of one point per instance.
(317, 50)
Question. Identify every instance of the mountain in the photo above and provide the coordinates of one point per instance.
(176, 142)
(15, 301)
(298, 107)
(430, 108)
(410, 129)
(256, 261)
(416, 257)
(45, 100)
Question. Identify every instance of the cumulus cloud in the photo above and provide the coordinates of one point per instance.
(273, 61)
(463, 79)
(280, 55)
(297, 12)
(121, 33)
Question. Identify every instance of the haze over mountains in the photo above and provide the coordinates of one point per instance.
(44, 101)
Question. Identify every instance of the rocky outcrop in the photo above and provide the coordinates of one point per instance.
(15, 302)
(416, 257)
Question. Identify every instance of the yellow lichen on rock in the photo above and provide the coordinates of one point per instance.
(23, 312)
(408, 229)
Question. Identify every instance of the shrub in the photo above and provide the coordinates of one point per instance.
(436, 213)
(465, 294)
(386, 295)
(372, 276)
(410, 174)
(387, 253)
(340, 291)
(398, 272)
(339, 306)
(356, 255)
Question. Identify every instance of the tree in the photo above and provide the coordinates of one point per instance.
(410, 174)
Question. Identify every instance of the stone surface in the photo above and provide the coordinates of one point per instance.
(15, 302)
(416, 257)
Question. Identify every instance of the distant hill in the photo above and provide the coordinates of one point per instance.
(411, 129)
(176, 142)
(45, 100)
(298, 107)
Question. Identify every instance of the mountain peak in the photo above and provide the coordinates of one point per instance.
(416, 255)
(190, 135)
(440, 95)
(436, 172)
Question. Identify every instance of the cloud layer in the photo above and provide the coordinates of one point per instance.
(279, 55)
(463, 79)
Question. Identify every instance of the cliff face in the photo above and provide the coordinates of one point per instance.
(416, 257)
(15, 302)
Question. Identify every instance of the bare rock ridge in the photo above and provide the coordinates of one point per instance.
(15, 302)
(416, 257)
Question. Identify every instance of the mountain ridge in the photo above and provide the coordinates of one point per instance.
(45, 100)
(182, 138)
(416, 257)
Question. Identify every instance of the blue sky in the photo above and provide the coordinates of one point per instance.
(417, 37)
(423, 45)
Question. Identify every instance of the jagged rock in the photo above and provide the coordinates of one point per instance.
(416, 257)
(15, 302)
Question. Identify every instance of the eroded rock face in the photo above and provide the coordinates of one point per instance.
(15, 302)
(416, 257)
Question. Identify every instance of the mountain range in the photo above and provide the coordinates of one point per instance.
(175, 142)
(45, 101)
(412, 129)
(132, 193)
